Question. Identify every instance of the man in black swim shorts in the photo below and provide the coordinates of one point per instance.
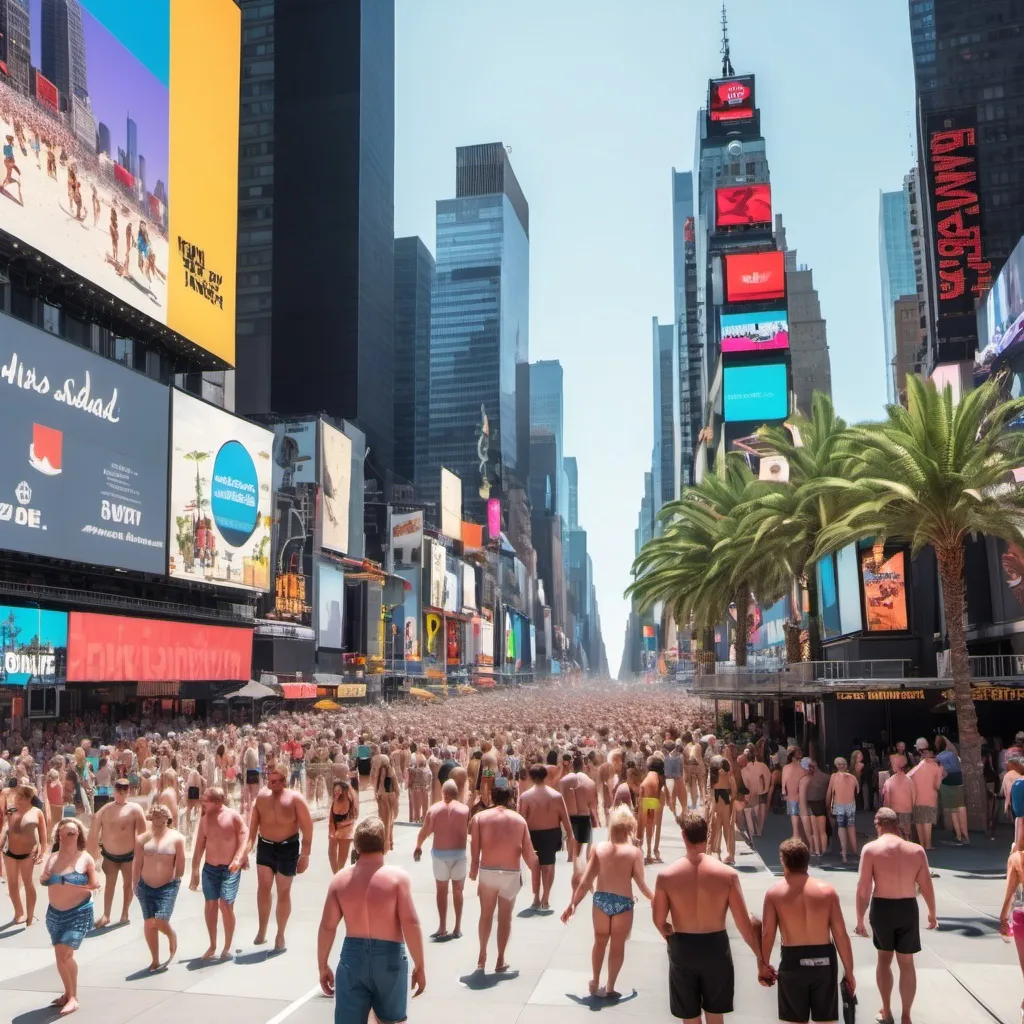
(546, 818)
(113, 832)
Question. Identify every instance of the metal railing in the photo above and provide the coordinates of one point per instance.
(997, 666)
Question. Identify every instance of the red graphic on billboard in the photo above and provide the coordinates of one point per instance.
(493, 518)
(964, 275)
(46, 452)
(743, 206)
(46, 93)
(755, 277)
(118, 649)
(688, 232)
(732, 99)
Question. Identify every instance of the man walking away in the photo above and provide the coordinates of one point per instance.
(448, 822)
(927, 778)
(891, 871)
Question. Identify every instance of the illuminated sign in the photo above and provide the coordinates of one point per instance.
(755, 393)
(743, 206)
(986, 692)
(755, 277)
(880, 695)
(755, 332)
(885, 591)
(731, 99)
(1001, 315)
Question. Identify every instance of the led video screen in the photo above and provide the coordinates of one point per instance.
(885, 591)
(755, 277)
(119, 125)
(755, 332)
(743, 206)
(731, 99)
(756, 393)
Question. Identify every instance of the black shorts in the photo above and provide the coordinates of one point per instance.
(118, 858)
(817, 808)
(582, 829)
(193, 793)
(282, 858)
(895, 927)
(546, 843)
(809, 983)
(363, 764)
(252, 776)
(700, 974)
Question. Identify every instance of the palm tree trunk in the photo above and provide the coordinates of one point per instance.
(704, 654)
(742, 626)
(794, 650)
(813, 620)
(951, 574)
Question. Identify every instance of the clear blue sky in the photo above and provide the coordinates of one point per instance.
(598, 100)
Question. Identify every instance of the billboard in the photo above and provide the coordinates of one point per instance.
(756, 393)
(1001, 315)
(755, 332)
(731, 99)
(451, 505)
(118, 649)
(885, 591)
(755, 277)
(221, 482)
(468, 588)
(407, 538)
(743, 206)
(33, 646)
(951, 165)
(83, 467)
(451, 591)
(154, 219)
(433, 648)
(493, 518)
(437, 571)
(294, 454)
(336, 481)
(406, 616)
(485, 643)
(330, 604)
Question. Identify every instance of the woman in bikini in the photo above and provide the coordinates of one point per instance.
(723, 795)
(652, 800)
(615, 864)
(70, 877)
(387, 799)
(23, 839)
(340, 822)
(420, 779)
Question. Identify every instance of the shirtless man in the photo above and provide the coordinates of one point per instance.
(791, 776)
(488, 772)
(500, 839)
(803, 799)
(546, 817)
(553, 769)
(114, 830)
(891, 872)
(278, 816)
(251, 786)
(24, 845)
(695, 777)
(696, 891)
(898, 793)
(376, 903)
(448, 822)
(841, 799)
(756, 784)
(221, 836)
(807, 913)
(580, 796)
(927, 778)
(609, 775)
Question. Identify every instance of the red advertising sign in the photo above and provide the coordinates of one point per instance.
(755, 277)
(46, 93)
(731, 99)
(963, 274)
(298, 691)
(743, 206)
(117, 649)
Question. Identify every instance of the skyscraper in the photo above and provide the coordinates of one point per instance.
(318, 334)
(414, 282)
(896, 265)
(15, 44)
(63, 60)
(690, 352)
(132, 151)
(664, 463)
(572, 476)
(547, 411)
(102, 139)
(479, 331)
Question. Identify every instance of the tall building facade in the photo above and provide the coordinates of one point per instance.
(547, 411)
(970, 105)
(63, 60)
(664, 460)
(572, 477)
(414, 283)
(15, 45)
(318, 333)
(479, 333)
(896, 267)
(690, 353)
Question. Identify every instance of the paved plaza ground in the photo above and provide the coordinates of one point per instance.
(967, 973)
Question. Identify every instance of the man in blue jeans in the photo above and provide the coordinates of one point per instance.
(376, 903)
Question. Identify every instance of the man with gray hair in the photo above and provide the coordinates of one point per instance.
(448, 822)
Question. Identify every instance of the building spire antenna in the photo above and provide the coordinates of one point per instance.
(727, 68)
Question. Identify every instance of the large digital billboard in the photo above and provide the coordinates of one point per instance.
(330, 581)
(731, 99)
(83, 465)
(885, 591)
(221, 509)
(33, 646)
(121, 163)
(755, 332)
(755, 393)
(451, 504)
(336, 481)
(119, 649)
(743, 206)
(755, 276)
(1001, 315)
(407, 538)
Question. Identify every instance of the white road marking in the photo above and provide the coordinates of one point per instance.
(292, 1007)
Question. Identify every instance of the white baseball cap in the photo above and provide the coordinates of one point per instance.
(921, 744)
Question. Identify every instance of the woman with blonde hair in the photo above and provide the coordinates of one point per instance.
(341, 820)
(386, 792)
(420, 778)
(615, 864)
(69, 873)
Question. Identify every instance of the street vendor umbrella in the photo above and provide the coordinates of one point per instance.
(252, 691)
(464, 688)
(422, 694)
(326, 705)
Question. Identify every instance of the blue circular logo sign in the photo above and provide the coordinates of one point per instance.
(236, 494)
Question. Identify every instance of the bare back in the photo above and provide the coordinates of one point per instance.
(803, 906)
(369, 895)
(894, 866)
(617, 865)
(698, 890)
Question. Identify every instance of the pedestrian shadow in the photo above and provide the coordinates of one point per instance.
(4, 192)
(107, 929)
(480, 981)
(11, 928)
(597, 1003)
(257, 956)
(969, 927)
(40, 1016)
(746, 869)
(197, 963)
(147, 973)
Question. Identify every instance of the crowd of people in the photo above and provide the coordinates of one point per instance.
(496, 783)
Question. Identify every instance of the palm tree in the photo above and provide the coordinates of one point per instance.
(782, 526)
(931, 474)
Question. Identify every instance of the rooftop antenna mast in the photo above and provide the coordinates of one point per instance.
(727, 68)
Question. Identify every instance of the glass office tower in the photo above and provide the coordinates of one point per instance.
(896, 264)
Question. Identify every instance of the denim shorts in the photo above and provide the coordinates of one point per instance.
(845, 815)
(373, 974)
(793, 808)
